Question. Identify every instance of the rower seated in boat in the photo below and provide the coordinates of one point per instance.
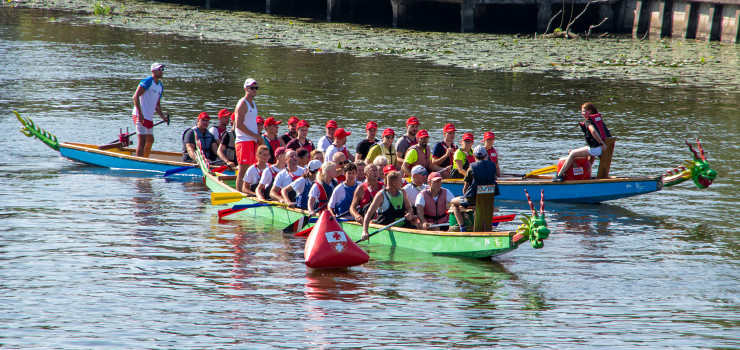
(303, 185)
(365, 193)
(322, 189)
(390, 204)
(431, 204)
(595, 131)
(303, 158)
(463, 157)
(302, 141)
(284, 178)
(340, 160)
(360, 170)
(444, 150)
(254, 173)
(419, 154)
(227, 147)
(488, 139)
(384, 149)
(207, 141)
(418, 184)
(219, 130)
(344, 194)
(481, 172)
(264, 189)
(271, 138)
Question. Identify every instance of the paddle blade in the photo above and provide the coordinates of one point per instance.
(238, 208)
(220, 169)
(550, 169)
(177, 170)
(225, 212)
(304, 232)
(297, 225)
(504, 218)
(225, 197)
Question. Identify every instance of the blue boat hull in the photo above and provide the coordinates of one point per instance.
(586, 191)
(115, 159)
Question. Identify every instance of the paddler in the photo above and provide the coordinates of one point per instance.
(303, 157)
(595, 131)
(445, 149)
(488, 139)
(363, 147)
(360, 170)
(284, 178)
(431, 204)
(328, 139)
(391, 204)
(227, 149)
(303, 185)
(406, 141)
(481, 172)
(463, 157)
(322, 189)
(340, 160)
(344, 194)
(318, 155)
(301, 141)
(218, 131)
(292, 130)
(339, 146)
(418, 184)
(199, 132)
(146, 103)
(419, 154)
(270, 137)
(385, 149)
(265, 187)
(247, 134)
(254, 173)
(260, 125)
(365, 193)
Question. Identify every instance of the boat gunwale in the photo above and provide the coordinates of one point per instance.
(86, 147)
(547, 180)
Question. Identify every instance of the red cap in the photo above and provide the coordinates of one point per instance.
(303, 123)
(371, 125)
(233, 117)
(422, 134)
(389, 131)
(271, 121)
(204, 115)
(489, 135)
(412, 121)
(467, 136)
(292, 120)
(388, 168)
(223, 113)
(260, 120)
(280, 150)
(449, 128)
(340, 133)
(331, 124)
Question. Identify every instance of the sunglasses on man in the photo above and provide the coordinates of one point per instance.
(254, 88)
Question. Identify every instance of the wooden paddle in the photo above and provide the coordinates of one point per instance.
(382, 229)
(226, 197)
(239, 207)
(545, 170)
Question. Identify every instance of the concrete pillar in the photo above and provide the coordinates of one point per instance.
(606, 11)
(399, 13)
(681, 12)
(658, 18)
(332, 10)
(467, 14)
(704, 22)
(208, 4)
(544, 14)
(730, 18)
(273, 6)
(637, 18)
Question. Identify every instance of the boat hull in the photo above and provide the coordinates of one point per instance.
(585, 191)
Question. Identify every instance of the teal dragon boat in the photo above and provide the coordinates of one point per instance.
(474, 245)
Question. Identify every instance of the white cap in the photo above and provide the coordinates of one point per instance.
(156, 66)
(249, 82)
(418, 170)
(479, 151)
(314, 165)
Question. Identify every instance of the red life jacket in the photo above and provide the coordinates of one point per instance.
(470, 157)
(411, 143)
(323, 197)
(422, 156)
(492, 155)
(435, 212)
(369, 194)
(596, 118)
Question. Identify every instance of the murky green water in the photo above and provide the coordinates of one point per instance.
(92, 258)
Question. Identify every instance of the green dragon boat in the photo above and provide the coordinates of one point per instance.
(474, 245)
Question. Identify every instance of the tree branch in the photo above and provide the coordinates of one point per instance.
(595, 26)
(551, 19)
(579, 16)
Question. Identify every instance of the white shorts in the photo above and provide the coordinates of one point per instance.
(595, 151)
(141, 129)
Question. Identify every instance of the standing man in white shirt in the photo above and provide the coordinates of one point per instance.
(328, 139)
(146, 103)
(247, 136)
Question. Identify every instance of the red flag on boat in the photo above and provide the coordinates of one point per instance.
(329, 247)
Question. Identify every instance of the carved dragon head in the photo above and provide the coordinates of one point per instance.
(535, 226)
(698, 170)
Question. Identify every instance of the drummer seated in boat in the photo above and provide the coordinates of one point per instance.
(420, 154)
(207, 141)
(595, 132)
(481, 172)
(254, 173)
(344, 194)
(323, 188)
(284, 178)
(303, 185)
(431, 204)
(365, 193)
(390, 204)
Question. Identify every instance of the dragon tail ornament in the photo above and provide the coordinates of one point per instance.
(534, 227)
(698, 170)
(31, 130)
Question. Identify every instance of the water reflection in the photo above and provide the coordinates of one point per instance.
(333, 284)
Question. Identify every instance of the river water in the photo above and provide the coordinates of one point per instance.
(94, 258)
